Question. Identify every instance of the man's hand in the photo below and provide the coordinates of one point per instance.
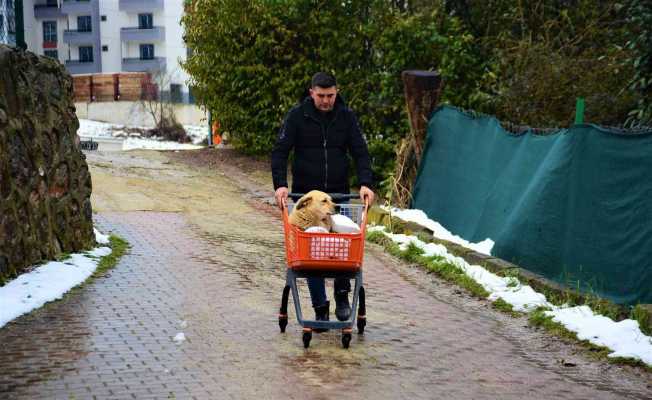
(368, 193)
(281, 196)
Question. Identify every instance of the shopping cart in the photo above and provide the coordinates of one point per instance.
(325, 255)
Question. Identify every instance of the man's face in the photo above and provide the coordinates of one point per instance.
(324, 98)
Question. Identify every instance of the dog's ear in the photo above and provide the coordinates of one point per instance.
(303, 202)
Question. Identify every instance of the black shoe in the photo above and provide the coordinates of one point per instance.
(342, 307)
(321, 314)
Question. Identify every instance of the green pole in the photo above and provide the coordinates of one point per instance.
(579, 111)
(20, 25)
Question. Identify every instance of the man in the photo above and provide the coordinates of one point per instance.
(323, 132)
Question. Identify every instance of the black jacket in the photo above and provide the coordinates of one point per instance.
(320, 148)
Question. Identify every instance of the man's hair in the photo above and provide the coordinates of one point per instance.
(323, 80)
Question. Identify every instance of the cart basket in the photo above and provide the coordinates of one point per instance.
(326, 251)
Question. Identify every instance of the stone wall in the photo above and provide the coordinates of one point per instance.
(45, 186)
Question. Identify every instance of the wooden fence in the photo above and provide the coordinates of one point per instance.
(113, 87)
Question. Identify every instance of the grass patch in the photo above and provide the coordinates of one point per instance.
(438, 265)
(502, 305)
(118, 247)
(539, 319)
(644, 319)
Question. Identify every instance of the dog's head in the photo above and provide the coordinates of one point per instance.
(318, 204)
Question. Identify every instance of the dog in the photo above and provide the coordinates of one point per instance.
(313, 209)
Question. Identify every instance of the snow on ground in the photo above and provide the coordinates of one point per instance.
(134, 140)
(196, 133)
(96, 128)
(439, 231)
(179, 338)
(153, 144)
(48, 282)
(624, 338)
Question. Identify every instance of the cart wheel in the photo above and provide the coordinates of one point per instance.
(362, 322)
(307, 336)
(346, 340)
(282, 322)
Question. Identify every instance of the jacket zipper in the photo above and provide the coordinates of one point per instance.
(325, 148)
(324, 133)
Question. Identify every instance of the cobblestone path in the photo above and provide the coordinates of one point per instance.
(114, 338)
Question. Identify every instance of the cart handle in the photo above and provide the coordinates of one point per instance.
(334, 196)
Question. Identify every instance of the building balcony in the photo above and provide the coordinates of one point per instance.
(72, 36)
(138, 6)
(76, 67)
(141, 65)
(76, 7)
(155, 34)
(47, 11)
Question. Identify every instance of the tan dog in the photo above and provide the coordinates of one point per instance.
(313, 209)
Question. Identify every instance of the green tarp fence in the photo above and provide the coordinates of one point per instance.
(574, 206)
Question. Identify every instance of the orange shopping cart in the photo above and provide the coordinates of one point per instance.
(325, 255)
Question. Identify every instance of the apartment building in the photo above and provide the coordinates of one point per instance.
(7, 22)
(109, 36)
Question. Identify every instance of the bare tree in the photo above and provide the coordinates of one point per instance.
(158, 103)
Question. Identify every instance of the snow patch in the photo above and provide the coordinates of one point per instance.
(419, 217)
(152, 144)
(624, 337)
(46, 283)
(179, 338)
(101, 238)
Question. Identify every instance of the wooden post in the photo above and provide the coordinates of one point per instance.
(422, 91)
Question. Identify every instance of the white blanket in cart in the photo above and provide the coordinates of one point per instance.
(328, 248)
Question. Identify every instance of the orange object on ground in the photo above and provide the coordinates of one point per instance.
(215, 131)
(324, 251)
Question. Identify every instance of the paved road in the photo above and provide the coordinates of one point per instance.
(216, 276)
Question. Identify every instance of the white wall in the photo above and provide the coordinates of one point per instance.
(30, 26)
(132, 113)
(110, 35)
(175, 47)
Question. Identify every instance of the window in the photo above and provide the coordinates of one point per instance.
(84, 23)
(191, 96)
(103, 18)
(51, 53)
(11, 17)
(146, 51)
(145, 21)
(86, 54)
(105, 48)
(49, 31)
(175, 93)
